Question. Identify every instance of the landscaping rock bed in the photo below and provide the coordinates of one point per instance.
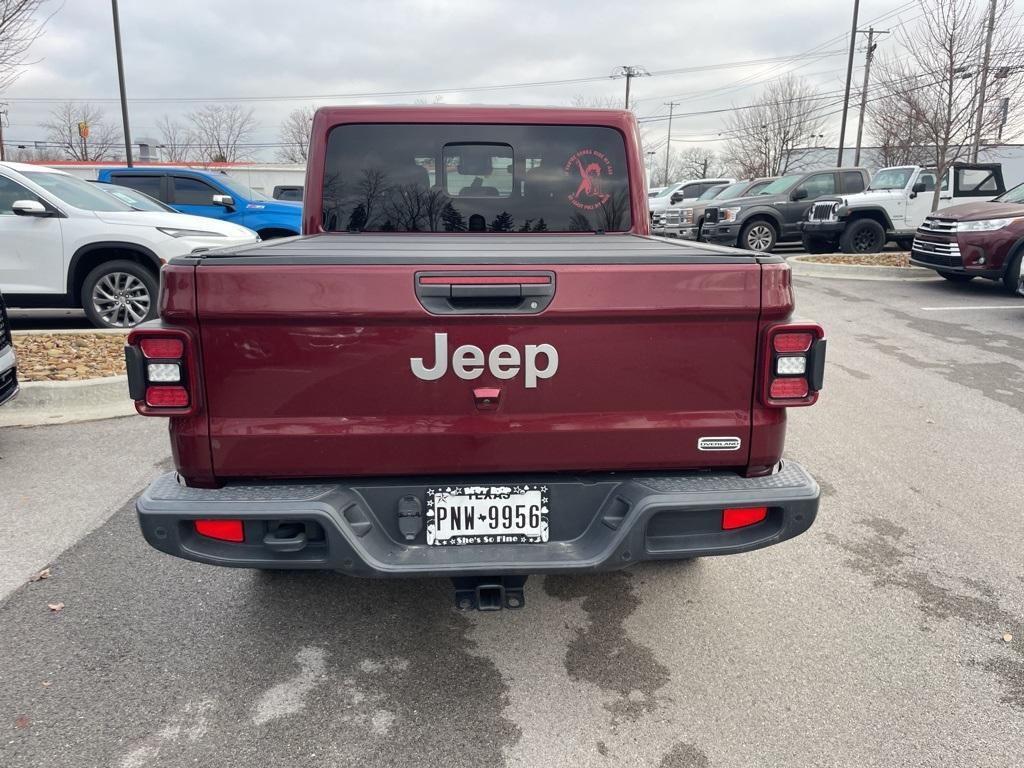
(69, 357)
(887, 259)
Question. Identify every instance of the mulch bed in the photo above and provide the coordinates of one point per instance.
(69, 356)
(889, 259)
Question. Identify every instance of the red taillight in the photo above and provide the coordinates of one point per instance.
(167, 397)
(162, 349)
(225, 530)
(789, 387)
(742, 517)
(794, 364)
(792, 342)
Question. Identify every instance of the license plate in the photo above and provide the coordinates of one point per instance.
(487, 514)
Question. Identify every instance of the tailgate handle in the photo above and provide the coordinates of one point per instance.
(483, 293)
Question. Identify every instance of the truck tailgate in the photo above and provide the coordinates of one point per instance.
(309, 349)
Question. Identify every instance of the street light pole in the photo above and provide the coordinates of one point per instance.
(668, 141)
(120, 82)
(976, 144)
(849, 77)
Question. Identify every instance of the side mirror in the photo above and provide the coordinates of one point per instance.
(225, 200)
(676, 197)
(30, 208)
(919, 187)
(798, 194)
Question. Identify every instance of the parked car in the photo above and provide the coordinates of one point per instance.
(775, 214)
(654, 191)
(292, 192)
(978, 239)
(666, 221)
(476, 403)
(69, 243)
(691, 217)
(682, 190)
(140, 201)
(893, 206)
(212, 194)
(8, 361)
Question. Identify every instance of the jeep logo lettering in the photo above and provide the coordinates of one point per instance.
(504, 362)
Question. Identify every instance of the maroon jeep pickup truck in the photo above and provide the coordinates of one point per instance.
(474, 363)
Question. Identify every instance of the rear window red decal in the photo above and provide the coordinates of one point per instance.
(591, 168)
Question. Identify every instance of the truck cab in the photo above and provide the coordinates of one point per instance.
(893, 206)
(213, 194)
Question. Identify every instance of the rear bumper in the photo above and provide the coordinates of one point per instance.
(601, 522)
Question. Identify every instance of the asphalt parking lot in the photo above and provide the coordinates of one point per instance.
(876, 639)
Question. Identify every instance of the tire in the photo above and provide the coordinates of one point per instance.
(956, 277)
(119, 294)
(863, 236)
(759, 236)
(1013, 277)
(905, 243)
(818, 245)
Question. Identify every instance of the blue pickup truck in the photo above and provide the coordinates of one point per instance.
(215, 194)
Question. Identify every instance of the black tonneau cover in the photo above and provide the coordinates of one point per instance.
(438, 248)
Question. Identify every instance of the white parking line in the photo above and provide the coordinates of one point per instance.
(968, 309)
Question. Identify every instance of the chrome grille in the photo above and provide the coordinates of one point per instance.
(944, 226)
(5, 331)
(943, 254)
(824, 211)
(658, 219)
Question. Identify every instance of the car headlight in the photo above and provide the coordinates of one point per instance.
(985, 225)
(686, 216)
(175, 232)
(730, 214)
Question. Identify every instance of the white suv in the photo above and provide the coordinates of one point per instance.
(67, 243)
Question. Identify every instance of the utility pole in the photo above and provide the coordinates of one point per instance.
(668, 141)
(629, 71)
(3, 116)
(872, 45)
(976, 145)
(120, 82)
(849, 77)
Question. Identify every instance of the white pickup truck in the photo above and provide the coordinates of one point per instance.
(893, 206)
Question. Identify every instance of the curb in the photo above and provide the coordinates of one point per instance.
(70, 332)
(61, 402)
(803, 268)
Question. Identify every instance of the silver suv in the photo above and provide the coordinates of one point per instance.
(8, 369)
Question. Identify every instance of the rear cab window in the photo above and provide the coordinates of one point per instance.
(475, 178)
(150, 185)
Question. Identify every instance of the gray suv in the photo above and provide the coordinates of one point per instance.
(8, 371)
(775, 214)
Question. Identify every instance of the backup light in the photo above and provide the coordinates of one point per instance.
(790, 365)
(164, 372)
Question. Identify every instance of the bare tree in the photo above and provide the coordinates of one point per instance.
(700, 163)
(222, 132)
(899, 138)
(294, 135)
(760, 139)
(595, 102)
(933, 84)
(69, 120)
(21, 24)
(176, 140)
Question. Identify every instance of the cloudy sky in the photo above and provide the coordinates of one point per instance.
(276, 55)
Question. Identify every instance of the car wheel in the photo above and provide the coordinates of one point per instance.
(905, 243)
(818, 245)
(119, 294)
(1013, 277)
(863, 236)
(758, 236)
(957, 277)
